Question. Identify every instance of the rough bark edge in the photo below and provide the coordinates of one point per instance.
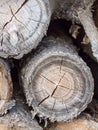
(20, 116)
(45, 55)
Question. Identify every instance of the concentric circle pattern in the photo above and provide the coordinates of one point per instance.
(57, 82)
(22, 26)
(59, 88)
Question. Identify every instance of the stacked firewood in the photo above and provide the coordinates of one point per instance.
(54, 83)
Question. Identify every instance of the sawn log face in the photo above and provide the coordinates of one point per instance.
(56, 81)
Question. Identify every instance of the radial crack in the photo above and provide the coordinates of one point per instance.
(43, 100)
(61, 78)
(54, 91)
(21, 6)
(47, 79)
(54, 105)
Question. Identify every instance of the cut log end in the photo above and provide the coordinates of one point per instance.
(23, 24)
(6, 88)
(57, 83)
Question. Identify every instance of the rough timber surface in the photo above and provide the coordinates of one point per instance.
(56, 81)
(22, 26)
(86, 121)
(18, 118)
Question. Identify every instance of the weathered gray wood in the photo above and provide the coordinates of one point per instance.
(87, 21)
(18, 118)
(56, 81)
(82, 11)
(82, 123)
(22, 26)
(86, 121)
(6, 88)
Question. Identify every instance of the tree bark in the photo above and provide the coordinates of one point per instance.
(56, 81)
(18, 118)
(23, 25)
(6, 88)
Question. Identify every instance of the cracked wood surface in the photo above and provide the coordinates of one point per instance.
(56, 81)
(6, 88)
(22, 25)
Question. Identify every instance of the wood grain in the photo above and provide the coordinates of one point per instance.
(56, 81)
(22, 26)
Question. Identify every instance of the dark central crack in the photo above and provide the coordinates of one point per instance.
(53, 90)
(57, 85)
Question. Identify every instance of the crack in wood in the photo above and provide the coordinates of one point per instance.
(61, 79)
(57, 85)
(54, 91)
(21, 6)
(13, 14)
(43, 100)
(48, 79)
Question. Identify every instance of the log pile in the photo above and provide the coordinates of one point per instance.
(55, 82)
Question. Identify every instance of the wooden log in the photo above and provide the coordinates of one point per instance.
(86, 121)
(81, 123)
(56, 81)
(18, 118)
(23, 24)
(83, 12)
(6, 88)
